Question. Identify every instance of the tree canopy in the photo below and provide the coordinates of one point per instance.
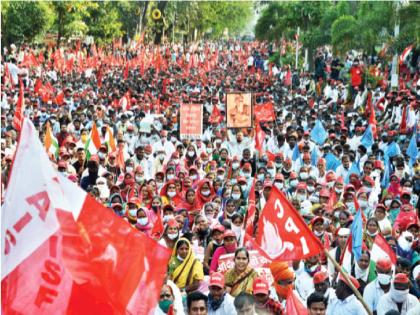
(25, 21)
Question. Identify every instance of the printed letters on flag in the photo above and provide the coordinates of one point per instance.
(282, 233)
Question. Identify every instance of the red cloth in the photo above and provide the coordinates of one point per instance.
(356, 76)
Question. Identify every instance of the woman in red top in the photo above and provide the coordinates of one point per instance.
(169, 194)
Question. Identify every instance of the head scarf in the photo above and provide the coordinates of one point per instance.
(281, 271)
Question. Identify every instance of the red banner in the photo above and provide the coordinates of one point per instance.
(264, 112)
(191, 119)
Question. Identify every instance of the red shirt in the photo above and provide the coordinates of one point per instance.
(356, 76)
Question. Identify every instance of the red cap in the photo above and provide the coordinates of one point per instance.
(401, 278)
(260, 286)
(172, 223)
(384, 263)
(324, 193)
(330, 176)
(320, 277)
(217, 280)
(352, 279)
(301, 185)
(219, 227)
(317, 219)
(130, 128)
(247, 166)
(229, 233)
(241, 179)
(94, 158)
(62, 164)
(293, 175)
(279, 177)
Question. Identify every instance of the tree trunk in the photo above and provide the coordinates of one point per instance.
(160, 29)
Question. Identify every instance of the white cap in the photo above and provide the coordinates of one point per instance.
(343, 232)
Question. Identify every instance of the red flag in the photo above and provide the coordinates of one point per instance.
(288, 78)
(126, 71)
(120, 158)
(216, 116)
(65, 253)
(38, 85)
(264, 112)
(403, 125)
(294, 306)
(282, 233)
(343, 125)
(381, 248)
(99, 77)
(158, 227)
(249, 223)
(20, 109)
(311, 103)
(59, 99)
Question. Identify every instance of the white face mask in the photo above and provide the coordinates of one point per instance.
(176, 161)
(139, 179)
(128, 169)
(314, 199)
(180, 258)
(235, 165)
(161, 157)
(388, 202)
(194, 177)
(293, 183)
(271, 172)
(237, 230)
(319, 233)
(330, 184)
(244, 187)
(304, 175)
(279, 185)
(101, 155)
(384, 279)
(173, 139)
(209, 150)
(221, 177)
(247, 175)
(132, 212)
(142, 221)
(190, 153)
(205, 193)
(170, 176)
(301, 197)
(398, 296)
(404, 244)
(261, 177)
(311, 188)
(350, 204)
(171, 193)
(363, 203)
(172, 236)
(236, 196)
(167, 217)
(371, 234)
(338, 191)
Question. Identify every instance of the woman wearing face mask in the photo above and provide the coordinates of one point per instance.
(238, 198)
(131, 211)
(204, 192)
(170, 300)
(143, 222)
(292, 183)
(241, 277)
(381, 216)
(190, 204)
(184, 269)
(146, 196)
(190, 156)
(394, 210)
(229, 210)
(129, 188)
(235, 168)
(169, 194)
(194, 176)
(170, 234)
(201, 231)
(229, 246)
(364, 270)
(372, 229)
(405, 247)
(237, 223)
(394, 186)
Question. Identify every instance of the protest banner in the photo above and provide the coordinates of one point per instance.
(191, 121)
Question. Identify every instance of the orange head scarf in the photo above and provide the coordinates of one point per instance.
(280, 272)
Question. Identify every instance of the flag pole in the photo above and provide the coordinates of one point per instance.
(350, 284)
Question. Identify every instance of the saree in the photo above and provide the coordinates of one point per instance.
(185, 272)
(242, 282)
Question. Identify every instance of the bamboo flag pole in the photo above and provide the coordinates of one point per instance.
(350, 284)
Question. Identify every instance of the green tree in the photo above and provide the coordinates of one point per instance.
(344, 33)
(22, 21)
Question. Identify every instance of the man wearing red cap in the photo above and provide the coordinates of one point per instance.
(346, 302)
(322, 285)
(398, 298)
(263, 303)
(220, 302)
(381, 285)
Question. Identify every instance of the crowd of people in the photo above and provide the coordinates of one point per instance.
(193, 194)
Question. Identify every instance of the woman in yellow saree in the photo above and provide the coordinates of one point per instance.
(184, 269)
(241, 277)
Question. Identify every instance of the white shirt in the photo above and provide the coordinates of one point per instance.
(386, 304)
(373, 292)
(350, 306)
(226, 308)
(304, 284)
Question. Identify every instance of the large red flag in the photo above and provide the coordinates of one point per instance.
(65, 253)
(282, 233)
(126, 71)
(403, 125)
(381, 248)
(216, 116)
(20, 109)
(259, 138)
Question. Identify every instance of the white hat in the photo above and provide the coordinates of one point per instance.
(343, 232)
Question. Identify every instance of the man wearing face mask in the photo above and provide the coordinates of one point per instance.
(380, 286)
(304, 276)
(397, 298)
(283, 279)
(322, 286)
(220, 302)
(93, 168)
(336, 252)
(263, 303)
